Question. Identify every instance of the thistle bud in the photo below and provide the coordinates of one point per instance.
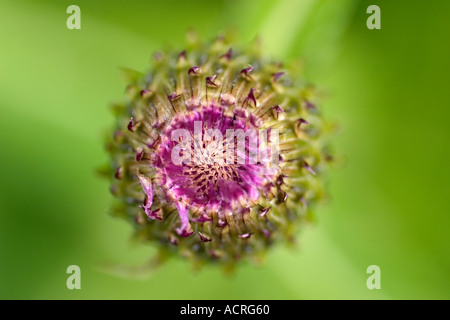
(220, 153)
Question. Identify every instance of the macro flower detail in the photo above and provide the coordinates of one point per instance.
(218, 153)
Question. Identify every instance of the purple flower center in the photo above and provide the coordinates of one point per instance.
(211, 160)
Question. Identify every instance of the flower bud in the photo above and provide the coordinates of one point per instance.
(220, 153)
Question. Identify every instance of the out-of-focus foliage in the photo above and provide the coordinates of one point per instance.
(386, 88)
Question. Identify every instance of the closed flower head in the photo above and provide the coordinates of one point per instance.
(218, 152)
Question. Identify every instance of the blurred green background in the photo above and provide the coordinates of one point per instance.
(388, 89)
